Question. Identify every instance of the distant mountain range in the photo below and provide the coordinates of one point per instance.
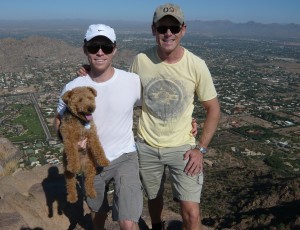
(249, 29)
(204, 28)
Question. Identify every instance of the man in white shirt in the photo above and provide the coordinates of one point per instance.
(118, 92)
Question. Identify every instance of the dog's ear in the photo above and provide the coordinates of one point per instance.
(66, 96)
(93, 91)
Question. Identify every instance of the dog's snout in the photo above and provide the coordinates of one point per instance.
(91, 109)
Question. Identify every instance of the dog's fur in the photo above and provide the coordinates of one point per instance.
(76, 124)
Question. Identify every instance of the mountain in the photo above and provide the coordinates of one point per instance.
(205, 28)
(41, 51)
(239, 192)
(249, 29)
(36, 200)
(36, 52)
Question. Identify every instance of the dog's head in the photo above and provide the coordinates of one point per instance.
(81, 102)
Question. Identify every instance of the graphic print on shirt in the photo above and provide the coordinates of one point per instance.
(165, 98)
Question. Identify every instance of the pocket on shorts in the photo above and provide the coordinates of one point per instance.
(129, 176)
(200, 179)
(130, 198)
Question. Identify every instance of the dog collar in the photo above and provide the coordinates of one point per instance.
(87, 125)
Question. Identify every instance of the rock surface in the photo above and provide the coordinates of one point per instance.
(7, 152)
(36, 199)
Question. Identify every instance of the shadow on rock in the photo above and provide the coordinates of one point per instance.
(174, 225)
(142, 224)
(54, 187)
(25, 228)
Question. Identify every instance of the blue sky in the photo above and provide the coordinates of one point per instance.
(264, 11)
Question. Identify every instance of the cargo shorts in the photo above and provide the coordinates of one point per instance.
(152, 164)
(128, 196)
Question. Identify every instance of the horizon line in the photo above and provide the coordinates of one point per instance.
(140, 22)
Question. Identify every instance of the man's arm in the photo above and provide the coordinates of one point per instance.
(195, 164)
(194, 130)
(213, 113)
(56, 124)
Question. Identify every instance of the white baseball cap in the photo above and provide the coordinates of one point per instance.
(100, 30)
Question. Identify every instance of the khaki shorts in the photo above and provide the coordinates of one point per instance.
(152, 163)
(128, 195)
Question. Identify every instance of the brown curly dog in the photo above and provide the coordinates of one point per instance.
(77, 124)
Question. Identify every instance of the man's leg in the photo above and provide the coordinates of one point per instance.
(190, 212)
(99, 205)
(128, 225)
(152, 173)
(155, 207)
(99, 219)
(186, 189)
(128, 196)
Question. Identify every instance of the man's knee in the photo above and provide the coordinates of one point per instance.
(128, 225)
(191, 221)
(190, 212)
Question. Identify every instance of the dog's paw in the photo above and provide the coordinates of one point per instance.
(91, 193)
(71, 169)
(72, 198)
(103, 162)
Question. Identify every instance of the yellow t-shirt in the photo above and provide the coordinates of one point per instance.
(168, 97)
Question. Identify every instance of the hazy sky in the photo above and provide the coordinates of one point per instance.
(264, 11)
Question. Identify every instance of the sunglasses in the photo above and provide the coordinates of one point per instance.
(106, 48)
(164, 29)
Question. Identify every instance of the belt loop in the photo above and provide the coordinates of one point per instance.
(141, 140)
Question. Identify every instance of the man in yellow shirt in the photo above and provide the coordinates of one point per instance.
(171, 75)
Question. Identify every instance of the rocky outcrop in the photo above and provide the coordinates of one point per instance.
(8, 152)
(23, 202)
(36, 199)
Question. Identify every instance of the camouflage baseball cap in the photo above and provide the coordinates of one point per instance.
(168, 9)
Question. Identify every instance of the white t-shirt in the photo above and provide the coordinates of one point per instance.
(113, 116)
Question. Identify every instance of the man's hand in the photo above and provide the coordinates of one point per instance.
(82, 144)
(195, 163)
(84, 70)
(194, 127)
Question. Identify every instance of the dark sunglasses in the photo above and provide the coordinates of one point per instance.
(94, 48)
(164, 29)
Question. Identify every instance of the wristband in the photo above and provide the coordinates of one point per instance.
(201, 149)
